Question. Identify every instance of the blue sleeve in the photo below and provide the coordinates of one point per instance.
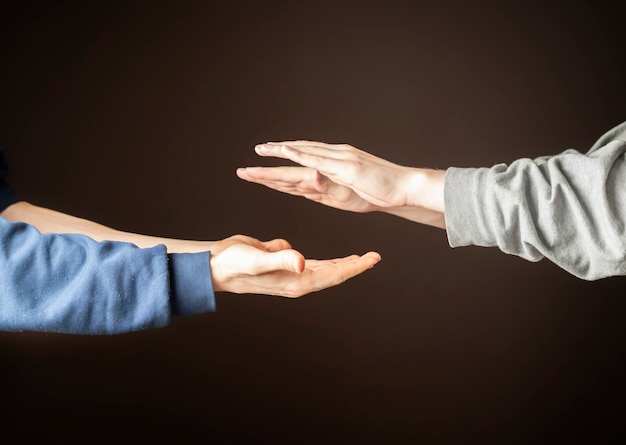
(73, 284)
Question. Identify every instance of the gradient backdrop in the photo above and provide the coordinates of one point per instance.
(136, 115)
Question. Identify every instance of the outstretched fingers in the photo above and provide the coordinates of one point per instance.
(292, 175)
(325, 160)
(303, 178)
(306, 143)
(327, 273)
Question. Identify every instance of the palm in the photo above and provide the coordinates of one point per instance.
(309, 183)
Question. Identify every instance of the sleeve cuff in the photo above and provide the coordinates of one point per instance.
(462, 204)
(191, 283)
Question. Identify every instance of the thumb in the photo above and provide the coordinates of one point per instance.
(288, 259)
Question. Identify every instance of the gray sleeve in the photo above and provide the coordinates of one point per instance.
(569, 208)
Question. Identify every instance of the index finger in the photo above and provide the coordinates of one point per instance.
(307, 143)
(278, 150)
(326, 161)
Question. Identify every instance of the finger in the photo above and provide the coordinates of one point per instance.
(340, 272)
(327, 193)
(267, 151)
(317, 264)
(371, 257)
(350, 268)
(301, 177)
(336, 200)
(324, 161)
(304, 143)
(317, 150)
(284, 174)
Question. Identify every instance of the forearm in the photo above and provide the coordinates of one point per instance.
(419, 215)
(70, 283)
(52, 221)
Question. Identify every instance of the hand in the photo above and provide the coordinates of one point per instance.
(346, 178)
(274, 268)
(337, 175)
(309, 183)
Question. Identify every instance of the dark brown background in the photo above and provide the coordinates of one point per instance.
(136, 115)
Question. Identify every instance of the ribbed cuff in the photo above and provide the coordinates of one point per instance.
(191, 284)
(462, 201)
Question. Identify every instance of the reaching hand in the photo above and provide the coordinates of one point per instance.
(274, 268)
(344, 177)
(338, 175)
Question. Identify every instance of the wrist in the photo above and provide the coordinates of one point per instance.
(424, 189)
(219, 273)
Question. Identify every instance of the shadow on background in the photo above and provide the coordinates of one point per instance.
(136, 115)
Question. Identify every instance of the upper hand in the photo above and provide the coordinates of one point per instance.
(337, 175)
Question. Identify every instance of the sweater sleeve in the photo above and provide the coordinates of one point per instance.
(73, 284)
(569, 208)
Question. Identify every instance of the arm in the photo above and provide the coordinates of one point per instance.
(70, 282)
(570, 208)
(73, 284)
(51, 221)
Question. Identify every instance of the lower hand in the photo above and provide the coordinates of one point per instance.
(274, 268)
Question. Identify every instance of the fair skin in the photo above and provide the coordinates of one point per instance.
(346, 178)
(239, 264)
